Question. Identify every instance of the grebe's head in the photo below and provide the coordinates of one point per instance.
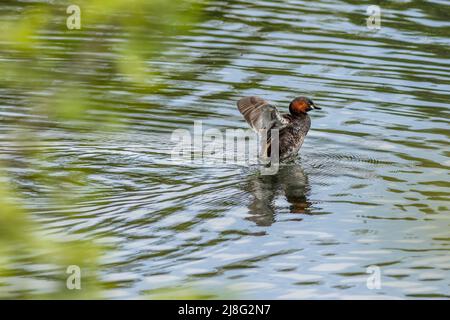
(301, 105)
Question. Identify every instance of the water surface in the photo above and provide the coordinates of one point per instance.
(370, 186)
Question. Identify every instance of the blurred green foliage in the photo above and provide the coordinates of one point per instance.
(51, 69)
(32, 63)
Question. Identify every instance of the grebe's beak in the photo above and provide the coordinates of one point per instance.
(316, 107)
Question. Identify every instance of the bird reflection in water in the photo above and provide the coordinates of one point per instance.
(290, 182)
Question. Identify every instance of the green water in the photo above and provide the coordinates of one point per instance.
(370, 186)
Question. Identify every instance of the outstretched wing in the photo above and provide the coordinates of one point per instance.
(260, 114)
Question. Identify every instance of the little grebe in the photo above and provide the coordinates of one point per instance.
(293, 126)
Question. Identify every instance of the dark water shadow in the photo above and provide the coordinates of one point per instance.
(291, 182)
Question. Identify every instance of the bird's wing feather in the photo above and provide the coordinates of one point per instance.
(260, 114)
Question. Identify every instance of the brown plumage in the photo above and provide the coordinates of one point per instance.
(293, 127)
